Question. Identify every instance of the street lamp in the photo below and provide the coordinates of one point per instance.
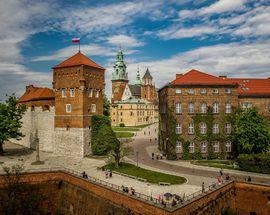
(137, 155)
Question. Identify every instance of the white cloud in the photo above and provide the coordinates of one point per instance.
(125, 41)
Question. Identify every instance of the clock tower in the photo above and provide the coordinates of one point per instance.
(119, 77)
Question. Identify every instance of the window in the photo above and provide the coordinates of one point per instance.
(215, 128)
(203, 147)
(91, 93)
(178, 91)
(191, 147)
(178, 147)
(72, 92)
(191, 91)
(178, 107)
(228, 128)
(203, 128)
(203, 91)
(246, 105)
(97, 93)
(93, 108)
(228, 146)
(68, 108)
(228, 108)
(203, 108)
(178, 129)
(64, 93)
(215, 107)
(216, 146)
(191, 107)
(228, 90)
(215, 91)
(191, 128)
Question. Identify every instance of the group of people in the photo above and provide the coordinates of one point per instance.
(84, 175)
(127, 190)
(157, 156)
(108, 173)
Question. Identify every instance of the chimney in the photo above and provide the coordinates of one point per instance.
(178, 75)
(29, 88)
(223, 76)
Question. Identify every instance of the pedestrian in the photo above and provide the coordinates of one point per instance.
(110, 173)
(203, 189)
(106, 175)
(153, 156)
(157, 157)
(150, 139)
(86, 176)
(227, 177)
(249, 179)
(221, 172)
(160, 156)
(132, 191)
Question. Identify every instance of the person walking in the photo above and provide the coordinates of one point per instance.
(249, 179)
(203, 188)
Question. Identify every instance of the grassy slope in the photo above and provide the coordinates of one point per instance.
(124, 134)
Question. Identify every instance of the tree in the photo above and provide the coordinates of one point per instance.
(10, 120)
(172, 136)
(118, 152)
(106, 106)
(251, 131)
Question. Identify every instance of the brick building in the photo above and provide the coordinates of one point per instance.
(132, 104)
(61, 117)
(195, 91)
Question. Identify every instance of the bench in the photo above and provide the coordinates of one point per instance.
(164, 184)
(142, 179)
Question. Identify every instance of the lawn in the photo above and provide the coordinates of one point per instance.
(150, 176)
(125, 129)
(228, 164)
(124, 134)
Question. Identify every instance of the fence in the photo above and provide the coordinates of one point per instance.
(149, 199)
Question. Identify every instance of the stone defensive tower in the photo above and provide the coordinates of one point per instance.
(78, 83)
(119, 77)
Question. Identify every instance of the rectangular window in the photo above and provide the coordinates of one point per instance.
(215, 107)
(178, 129)
(178, 91)
(204, 147)
(178, 108)
(203, 128)
(191, 128)
(178, 147)
(228, 146)
(64, 93)
(246, 105)
(191, 107)
(94, 108)
(72, 92)
(97, 93)
(215, 128)
(215, 91)
(191, 147)
(91, 93)
(228, 108)
(216, 146)
(228, 90)
(203, 108)
(228, 128)
(191, 91)
(203, 91)
(68, 108)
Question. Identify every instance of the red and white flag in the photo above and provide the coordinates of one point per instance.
(76, 40)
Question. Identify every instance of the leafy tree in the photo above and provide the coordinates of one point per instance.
(172, 136)
(10, 120)
(251, 131)
(186, 155)
(118, 152)
(106, 106)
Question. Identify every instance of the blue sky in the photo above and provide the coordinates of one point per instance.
(221, 37)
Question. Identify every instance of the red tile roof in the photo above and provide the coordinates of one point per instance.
(195, 77)
(36, 93)
(78, 60)
(251, 86)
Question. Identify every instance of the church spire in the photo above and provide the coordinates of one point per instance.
(138, 78)
(119, 72)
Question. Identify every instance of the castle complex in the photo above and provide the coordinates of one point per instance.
(132, 104)
(59, 119)
(193, 93)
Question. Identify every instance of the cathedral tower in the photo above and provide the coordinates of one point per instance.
(119, 77)
(148, 90)
(78, 83)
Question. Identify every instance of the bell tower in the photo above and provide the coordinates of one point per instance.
(119, 77)
(148, 90)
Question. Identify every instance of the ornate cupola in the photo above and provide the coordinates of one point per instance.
(119, 72)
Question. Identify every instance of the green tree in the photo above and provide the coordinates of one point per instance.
(172, 136)
(106, 106)
(10, 120)
(118, 152)
(251, 131)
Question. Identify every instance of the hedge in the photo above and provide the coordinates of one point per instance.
(259, 163)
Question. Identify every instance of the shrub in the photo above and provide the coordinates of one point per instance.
(122, 125)
(259, 163)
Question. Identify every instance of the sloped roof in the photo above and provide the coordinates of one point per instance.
(132, 100)
(147, 74)
(78, 60)
(195, 77)
(135, 90)
(252, 86)
(36, 93)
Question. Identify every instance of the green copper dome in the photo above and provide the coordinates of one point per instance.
(119, 72)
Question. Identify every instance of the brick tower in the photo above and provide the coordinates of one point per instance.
(78, 83)
(148, 90)
(119, 77)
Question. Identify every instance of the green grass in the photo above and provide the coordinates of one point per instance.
(125, 129)
(215, 163)
(149, 175)
(124, 134)
(141, 126)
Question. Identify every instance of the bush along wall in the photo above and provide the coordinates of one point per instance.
(102, 135)
(259, 163)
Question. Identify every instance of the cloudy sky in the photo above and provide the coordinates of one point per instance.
(222, 37)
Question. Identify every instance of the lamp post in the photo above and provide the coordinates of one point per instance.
(137, 155)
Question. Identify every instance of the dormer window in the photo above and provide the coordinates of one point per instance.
(72, 92)
(228, 91)
(215, 91)
(178, 91)
(203, 91)
(64, 93)
(191, 91)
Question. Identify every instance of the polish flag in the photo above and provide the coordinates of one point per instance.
(76, 40)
